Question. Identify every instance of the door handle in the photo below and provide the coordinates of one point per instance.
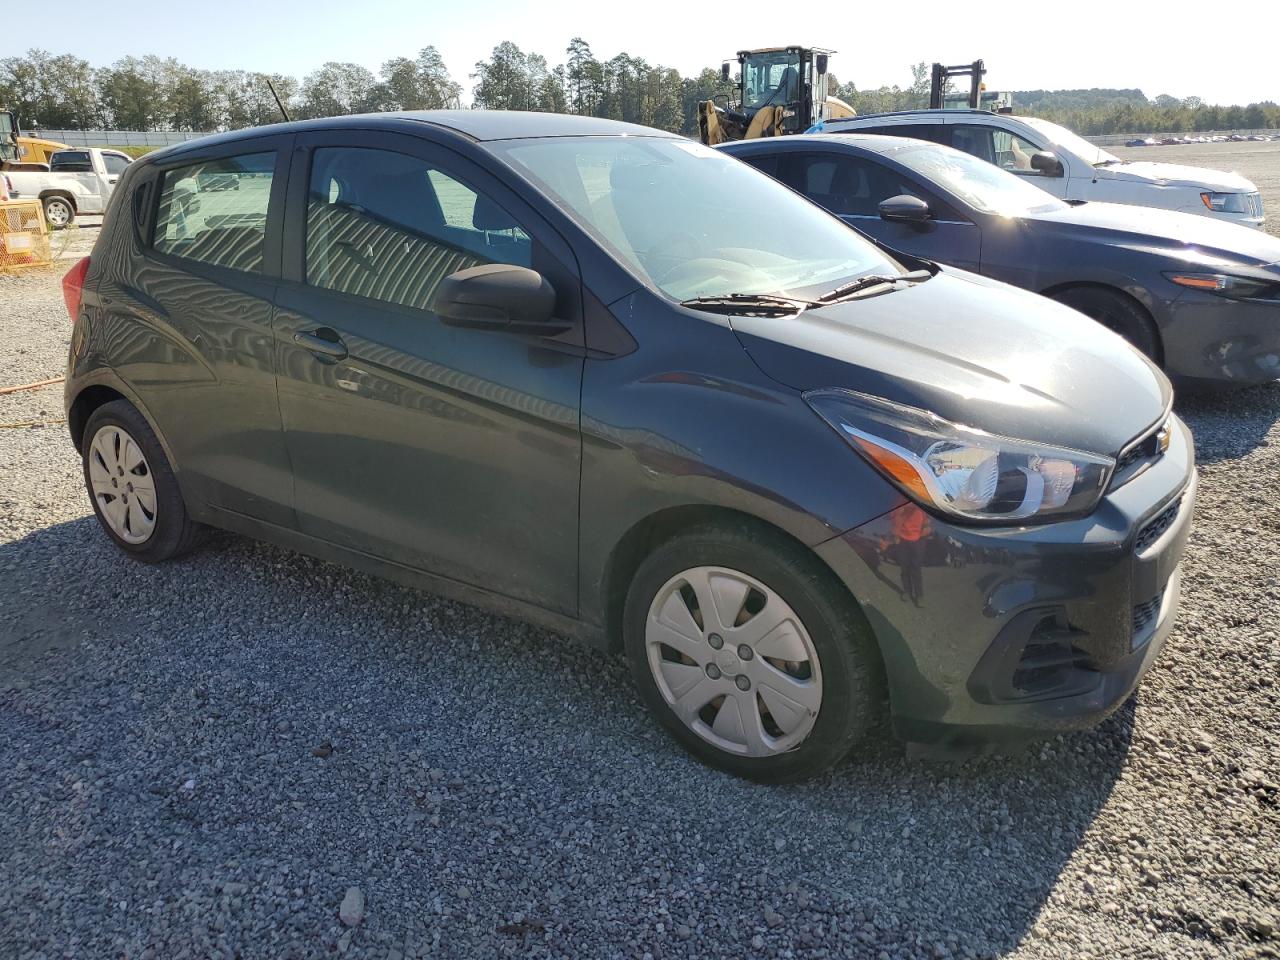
(330, 347)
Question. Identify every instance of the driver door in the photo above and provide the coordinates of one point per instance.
(449, 449)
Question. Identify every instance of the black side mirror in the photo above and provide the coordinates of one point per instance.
(904, 209)
(498, 296)
(1048, 164)
(821, 63)
(724, 71)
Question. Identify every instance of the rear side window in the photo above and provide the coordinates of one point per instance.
(765, 163)
(390, 227)
(216, 212)
(935, 132)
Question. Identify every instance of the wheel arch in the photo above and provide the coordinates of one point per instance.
(652, 531)
(1130, 292)
(64, 194)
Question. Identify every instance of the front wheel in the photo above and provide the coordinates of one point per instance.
(1117, 313)
(59, 212)
(750, 653)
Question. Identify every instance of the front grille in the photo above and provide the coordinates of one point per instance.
(1140, 454)
(1156, 527)
(1145, 614)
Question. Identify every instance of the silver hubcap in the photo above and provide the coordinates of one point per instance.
(122, 486)
(57, 213)
(734, 662)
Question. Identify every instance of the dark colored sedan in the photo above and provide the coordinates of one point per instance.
(622, 385)
(1200, 298)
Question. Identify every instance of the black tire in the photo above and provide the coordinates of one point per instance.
(174, 532)
(1118, 313)
(850, 665)
(62, 207)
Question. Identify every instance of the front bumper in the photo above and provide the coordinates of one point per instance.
(992, 634)
(1212, 341)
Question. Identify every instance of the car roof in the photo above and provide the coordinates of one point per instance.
(875, 142)
(931, 113)
(479, 125)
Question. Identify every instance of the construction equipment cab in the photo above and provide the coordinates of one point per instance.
(780, 90)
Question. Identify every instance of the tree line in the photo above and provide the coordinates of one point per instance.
(154, 93)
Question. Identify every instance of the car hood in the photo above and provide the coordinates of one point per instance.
(976, 352)
(1175, 175)
(1148, 227)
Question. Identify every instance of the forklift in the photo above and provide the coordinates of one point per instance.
(780, 90)
(978, 96)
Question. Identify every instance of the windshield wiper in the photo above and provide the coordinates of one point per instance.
(872, 280)
(1107, 163)
(749, 303)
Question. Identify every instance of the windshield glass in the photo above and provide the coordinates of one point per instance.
(770, 78)
(1062, 137)
(983, 186)
(693, 221)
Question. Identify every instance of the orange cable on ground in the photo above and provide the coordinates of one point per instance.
(32, 386)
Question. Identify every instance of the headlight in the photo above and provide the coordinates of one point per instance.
(1225, 285)
(1224, 202)
(961, 471)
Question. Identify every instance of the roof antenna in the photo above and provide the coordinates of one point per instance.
(279, 103)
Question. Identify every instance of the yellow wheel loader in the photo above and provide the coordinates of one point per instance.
(780, 90)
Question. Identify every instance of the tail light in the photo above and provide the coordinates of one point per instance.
(73, 287)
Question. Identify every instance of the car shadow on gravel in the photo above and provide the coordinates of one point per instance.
(279, 683)
(1230, 425)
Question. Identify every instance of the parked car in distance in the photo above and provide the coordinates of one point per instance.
(553, 365)
(1199, 297)
(77, 182)
(1069, 166)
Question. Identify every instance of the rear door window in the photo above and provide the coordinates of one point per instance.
(216, 212)
(935, 132)
(390, 226)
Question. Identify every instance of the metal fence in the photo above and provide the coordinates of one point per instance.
(116, 138)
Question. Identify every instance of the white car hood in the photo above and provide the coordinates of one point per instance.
(1176, 175)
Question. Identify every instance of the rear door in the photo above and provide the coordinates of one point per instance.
(448, 449)
(187, 322)
(852, 186)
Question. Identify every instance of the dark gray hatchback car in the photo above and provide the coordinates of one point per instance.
(622, 385)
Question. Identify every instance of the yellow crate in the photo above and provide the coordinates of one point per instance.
(24, 239)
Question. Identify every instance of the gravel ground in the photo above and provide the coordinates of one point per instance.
(250, 753)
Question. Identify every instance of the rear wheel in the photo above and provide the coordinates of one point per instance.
(750, 653)
(1118, 314)
(132, 487)
(59, 212)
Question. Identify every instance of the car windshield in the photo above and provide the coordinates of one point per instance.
(1073, 142)
(695, 222)
(981, 185)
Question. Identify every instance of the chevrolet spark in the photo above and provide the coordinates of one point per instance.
(624, 386)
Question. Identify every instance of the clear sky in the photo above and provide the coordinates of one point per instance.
(1214, 51)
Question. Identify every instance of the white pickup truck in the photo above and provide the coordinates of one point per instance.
(77, 182)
